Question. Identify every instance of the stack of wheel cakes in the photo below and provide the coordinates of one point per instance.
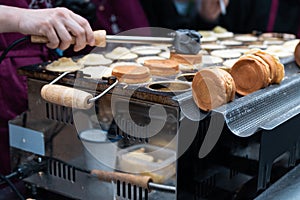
(151, 64)
(255, 70)
(165, 67)
(141, 69)
(213, 87)
(131, 73)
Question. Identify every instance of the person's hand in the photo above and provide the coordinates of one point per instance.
(58, 25)
(211, 9)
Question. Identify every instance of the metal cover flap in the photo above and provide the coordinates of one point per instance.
(26, 139)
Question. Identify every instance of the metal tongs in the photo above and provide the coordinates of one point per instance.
(183, 41)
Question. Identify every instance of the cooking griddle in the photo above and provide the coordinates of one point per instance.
(263, 109)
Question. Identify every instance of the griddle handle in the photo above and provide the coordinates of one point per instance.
(66, 96)
(139, 181)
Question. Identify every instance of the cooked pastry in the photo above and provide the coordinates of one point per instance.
(276, 68)
(231, 43)
(273, 42)
(250, 73)
(273, 65)
(186, 59)
(145, 50)
(230, 62)
(224, 35)
(141, 60)
(221, 32)
(226, 54)
(94, 59)
(121, 53)
(291, 45)
(208, 60)
(162, 67)
(212, 87)
(63, 64)
(246, 38)
(187, 62)
(278, 50)
(165, 54)
(131, 74)
(280, 71)
(210, 47)
(209, 39)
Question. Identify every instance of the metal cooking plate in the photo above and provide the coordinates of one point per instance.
(169, 86)
(264, 109)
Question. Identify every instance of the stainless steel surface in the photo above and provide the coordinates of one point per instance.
(138, 39)
(26, 139)
(60, 139)
(77, 185)
(264, 109)
(287, 187)
(131, 111)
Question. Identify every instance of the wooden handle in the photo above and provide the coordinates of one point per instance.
(100, 38)
(66, 96)
(139, 181)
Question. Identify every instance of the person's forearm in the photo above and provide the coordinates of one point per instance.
(9, 18)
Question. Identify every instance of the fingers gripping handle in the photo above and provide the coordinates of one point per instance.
(100, 38)
(66, 96)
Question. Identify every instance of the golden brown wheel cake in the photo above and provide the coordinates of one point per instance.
(187, 62)
(162, 67)
(297, 54)
(142, 59)
(268, 58)
(212, 87)
(186, 59)
(250, 73)
(131, 74)
(279, 71)
(275, 66)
